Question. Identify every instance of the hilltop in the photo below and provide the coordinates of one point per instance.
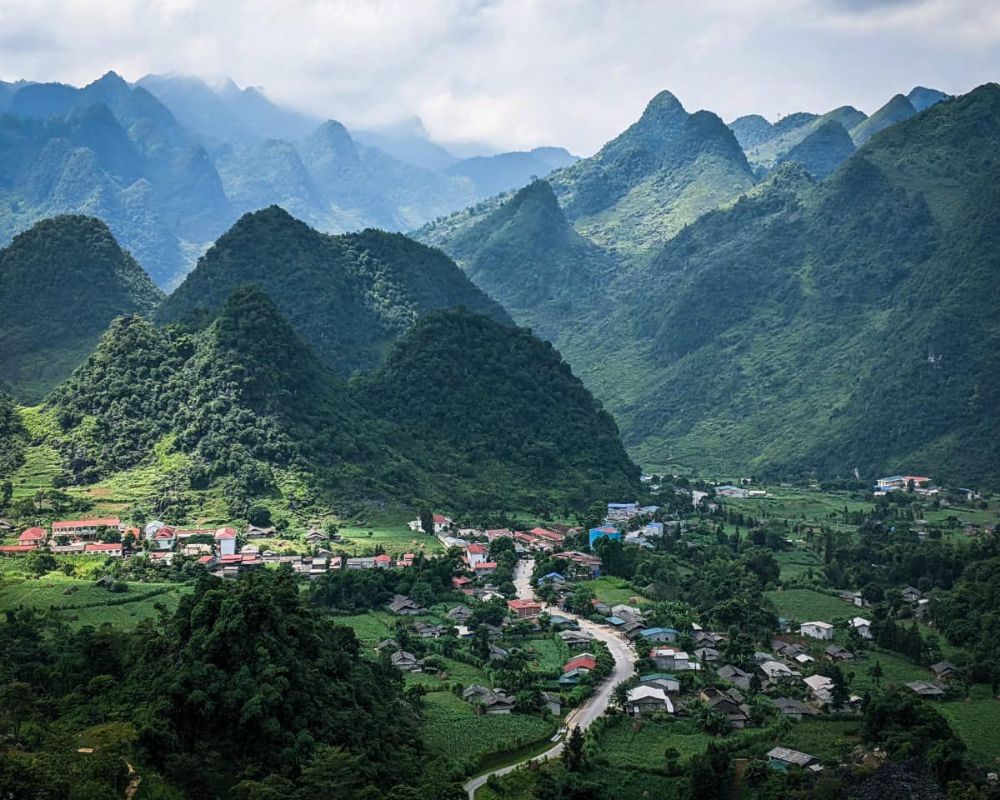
(61, 284)
(246, 405)
(348, 295)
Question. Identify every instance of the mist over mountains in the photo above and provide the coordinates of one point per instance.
(731, 293)
(169, 163)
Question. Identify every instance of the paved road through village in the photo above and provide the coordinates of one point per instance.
(595, 705)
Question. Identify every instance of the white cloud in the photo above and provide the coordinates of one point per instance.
(518, 73)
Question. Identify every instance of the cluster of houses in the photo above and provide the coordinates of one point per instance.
(72, 537)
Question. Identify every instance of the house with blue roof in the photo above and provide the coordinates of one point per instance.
(604, 532)
(659, 634)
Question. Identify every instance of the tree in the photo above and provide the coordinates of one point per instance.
(574, 756)
(875, 670)
(672, 758)
(17, 704)
(39, 562)
(619, 696)
(259, 515)
(839, 694)
(427, 521)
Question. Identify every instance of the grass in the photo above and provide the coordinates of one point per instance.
(977, 721)
(391, 533)
(795, 564)
(823, 737)
(614, 591)
(453, 730)
(549, 654)
(806, 605)
(81, 602)
(370, 628)
(641, 745)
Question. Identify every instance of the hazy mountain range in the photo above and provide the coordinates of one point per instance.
(834, 308)
(171, 162)
(811, 295)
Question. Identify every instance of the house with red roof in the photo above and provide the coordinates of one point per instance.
(33, 536)
(225, 541)
(165, 538)
(85, 528)
(475, 554)
(584, 661)
(525, 609)
(460, 581)
(16, 549)
(485, 568)
(547, 535)
(383, 561)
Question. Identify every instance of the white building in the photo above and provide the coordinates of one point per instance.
(816, 630)
(862, 626)
(225, 540)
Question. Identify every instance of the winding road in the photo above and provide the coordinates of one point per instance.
(591, 708)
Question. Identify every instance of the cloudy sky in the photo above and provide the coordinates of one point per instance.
(519, 73)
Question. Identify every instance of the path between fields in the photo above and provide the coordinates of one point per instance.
(591, 708)
(133, 784)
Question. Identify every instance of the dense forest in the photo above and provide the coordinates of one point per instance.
(61, 284)
(244, 692)
(501, 421)
(808, 327)
(348, 296)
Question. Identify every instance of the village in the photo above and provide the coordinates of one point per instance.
(513, 617)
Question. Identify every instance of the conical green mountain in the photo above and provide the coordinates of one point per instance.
(527, 255)
(500, 422)
(61, 284)
(795, 129)
(899, 108)
(239, 398)
(663, 172)
(498, 403)
(822, 150)
(923, 98)
(824, 327)
(348, 296)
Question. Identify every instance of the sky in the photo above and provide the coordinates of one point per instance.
(519, 73)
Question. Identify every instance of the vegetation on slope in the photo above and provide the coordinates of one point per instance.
(61, 284)
(527, 254)
(244, 691)
(494, 408)
(246, 395)
(348, 296)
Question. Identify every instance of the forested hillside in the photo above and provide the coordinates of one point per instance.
(809, 325)
(170, 163)
(349, 296)
(61, 284)
(466, 408)
(495, 407)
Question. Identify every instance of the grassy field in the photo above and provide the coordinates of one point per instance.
(81, 602)
(800, 505)
(822, 737)
(641, 745)
(549, 654)
(390, 532)
(370, 628)
(806, 605)
(614, 591)
(977, 721)
(796, 564)
(452, 729)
